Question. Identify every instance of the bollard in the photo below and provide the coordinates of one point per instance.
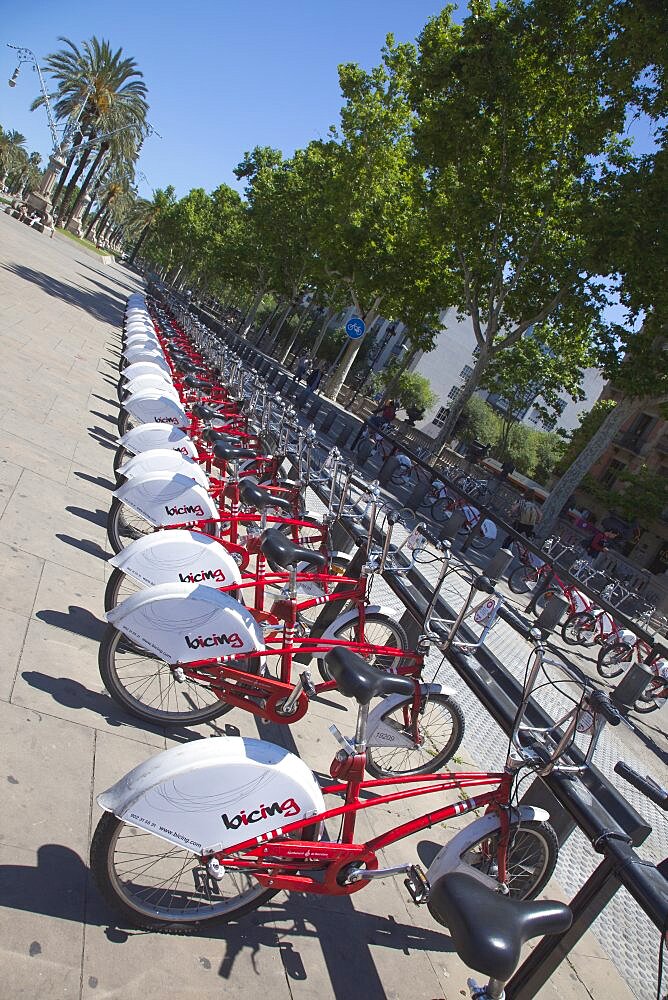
(314, 407)
(340, 538)
(330, 417)
(419, 492)
(631, 686)
(552, 613)
(343, 436)
(452, 525)
(388, 469)
(498, 564)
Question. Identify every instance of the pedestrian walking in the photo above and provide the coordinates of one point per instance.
(384, 413)
(303, 364)
(526, 515)
(313, 378)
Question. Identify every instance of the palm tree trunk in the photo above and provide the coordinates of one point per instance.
(87, 181)
(65, 200)
(138, 244)
(96, 187)
(97, 215)
(64, 172)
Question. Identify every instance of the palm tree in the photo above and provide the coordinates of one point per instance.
(12, 153)
(147, 213)
(99, 85)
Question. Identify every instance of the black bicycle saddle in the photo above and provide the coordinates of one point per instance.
(355, 678)
(259, 498)
(281, 553)
(229, 451)
(488, 929)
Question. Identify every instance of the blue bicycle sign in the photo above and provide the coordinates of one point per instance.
(355, 327)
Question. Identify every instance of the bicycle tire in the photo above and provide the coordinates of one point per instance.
(442, 508)
(523, 881)
(380, 630)
(544, 598)
(125, 526)
(573, 626)
(146, 673)
(523, 579)
(645, 702)
(124, 897)
(121, 456)
(481, 540)
(611, 656)
(434, 750)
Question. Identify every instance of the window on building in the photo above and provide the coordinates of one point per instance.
(454, 392)
(441, 416)
(611, 474)
(466, 372)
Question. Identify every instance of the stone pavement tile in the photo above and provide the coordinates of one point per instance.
(97, 447)
(60, 444)
(58, 675)
(13, 632)
(41, 934)
(6, 493)
(21, 574)
(56, 523)
(46, 779)
(24, 454)
(91, 479)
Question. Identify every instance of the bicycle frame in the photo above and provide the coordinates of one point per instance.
(284, 864)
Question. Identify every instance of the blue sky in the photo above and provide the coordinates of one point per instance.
(223, 76)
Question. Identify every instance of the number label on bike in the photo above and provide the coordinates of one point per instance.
(485, 612)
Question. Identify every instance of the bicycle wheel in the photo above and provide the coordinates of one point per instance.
(440, 732)
(119, 587)
(523, 579)
(613, 659)
(580, 622)
(121, 456)
(442, 509)
(125, 525)
(161, 887)
(150, 689)
(126, 422)
(485, 537)
(646, 702)
(532, 855)
(379, 630)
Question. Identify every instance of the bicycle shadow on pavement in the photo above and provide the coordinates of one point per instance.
(78, 620)
(98, 517)
(96, 480)
(72, 694)
(84, 545)
(103, 437)
(344, 935)
(99, 304)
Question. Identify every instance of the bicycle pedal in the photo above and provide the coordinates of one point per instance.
(417, 885)
(307, 684)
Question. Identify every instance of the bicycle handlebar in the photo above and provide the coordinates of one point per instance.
(655, 792)
(601, 703)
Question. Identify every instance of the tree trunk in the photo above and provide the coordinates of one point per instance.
(337, 379)
(64, 172)
(326, 320)
(99, 229)
(458, 404)
(97, 215)
(590, 454)
(391, 387)
(266, 323)
(281, 322)
(250, 315)
(300, 325)
(87, 181)
(65, 200)
(93, 195)
(138, 244)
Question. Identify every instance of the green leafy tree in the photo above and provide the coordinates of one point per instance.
(508, 127)
(410, 389)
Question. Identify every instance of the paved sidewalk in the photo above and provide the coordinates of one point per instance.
(64, 740)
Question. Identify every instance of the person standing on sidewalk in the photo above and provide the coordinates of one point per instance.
(526, 515)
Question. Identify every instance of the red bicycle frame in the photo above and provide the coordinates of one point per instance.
(285, 864)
